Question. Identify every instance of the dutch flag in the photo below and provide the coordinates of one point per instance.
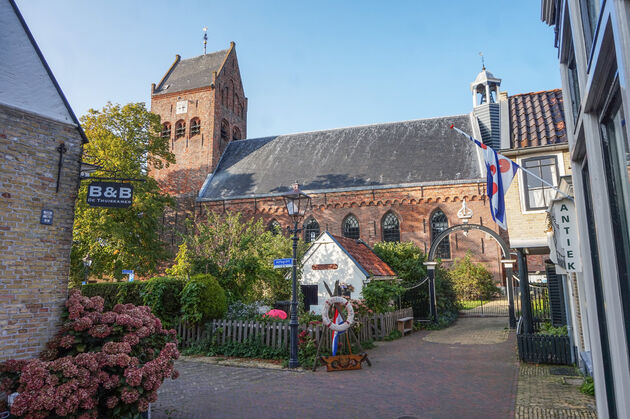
(335, 334)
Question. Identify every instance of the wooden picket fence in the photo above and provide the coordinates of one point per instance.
(276, 334)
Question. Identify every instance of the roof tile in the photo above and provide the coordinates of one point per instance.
(364, 256)
(537, 119)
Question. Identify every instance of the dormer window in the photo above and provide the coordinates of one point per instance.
(195, 127)
(180, 129)
(166, 130)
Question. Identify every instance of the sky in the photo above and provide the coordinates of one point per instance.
(305, 65)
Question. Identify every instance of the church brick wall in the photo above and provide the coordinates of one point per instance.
(34, 258)
(413, 206)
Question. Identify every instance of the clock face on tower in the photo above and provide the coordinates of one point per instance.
(181, 107)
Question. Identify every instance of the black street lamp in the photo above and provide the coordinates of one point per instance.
(87, 262)
(296, 202)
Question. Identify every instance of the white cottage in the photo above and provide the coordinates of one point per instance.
(333, 258)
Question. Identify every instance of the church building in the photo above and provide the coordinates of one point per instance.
(399, 181)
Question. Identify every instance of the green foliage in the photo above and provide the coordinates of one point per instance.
(162, 295)
(251, 348)
(547, 329)
(124, 141)
(238, 310)
(472, 279)
(393, 335)
(202, 299)
(381, 296)
(240, 253)
(183, 266)
(131, 292)
(588, 386)
(407, 260)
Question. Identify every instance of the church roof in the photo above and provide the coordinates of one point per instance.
(191, 73)
(537, 119)
(409, 153)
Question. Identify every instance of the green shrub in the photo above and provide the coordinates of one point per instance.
(548, 329)
(131, 292)
(202, 298)
(472, 279)
(381, 296)
(407, 259)
(588, 386)
(162, 295)
(107, 290)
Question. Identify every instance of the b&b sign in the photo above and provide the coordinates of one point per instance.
(109, 194)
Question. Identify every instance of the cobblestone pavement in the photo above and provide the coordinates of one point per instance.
(471, 331)
(410, 377)
(542, 395)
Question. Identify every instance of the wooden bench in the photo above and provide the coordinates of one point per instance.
(405, 325)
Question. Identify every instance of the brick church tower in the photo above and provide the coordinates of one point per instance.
(203, 107)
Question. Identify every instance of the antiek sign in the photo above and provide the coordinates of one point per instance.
(109, 194)
(565, 235)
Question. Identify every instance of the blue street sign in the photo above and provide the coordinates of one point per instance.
(127, 271)
(283, 263)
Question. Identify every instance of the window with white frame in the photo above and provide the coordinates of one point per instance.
(538, 194)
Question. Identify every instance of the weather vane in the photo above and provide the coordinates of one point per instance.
(483, 63)
(205, 39)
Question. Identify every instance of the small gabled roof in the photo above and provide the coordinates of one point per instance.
(364, 257)
(191, 73)
(537, 119)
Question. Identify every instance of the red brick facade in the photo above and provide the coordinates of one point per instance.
(412, 206)
(221, 110)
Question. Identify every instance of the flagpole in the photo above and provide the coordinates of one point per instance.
(520, 167)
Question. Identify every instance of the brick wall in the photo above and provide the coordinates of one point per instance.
(34, 258)
(197, 156)
(412, 206)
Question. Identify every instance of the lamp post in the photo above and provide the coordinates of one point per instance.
(296, 203)
(87, 262)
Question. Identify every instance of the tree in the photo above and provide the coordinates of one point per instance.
(124, 141)
(239, 253)
(472, 280)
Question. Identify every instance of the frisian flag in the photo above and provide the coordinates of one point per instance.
(500, 172)
(335, 334)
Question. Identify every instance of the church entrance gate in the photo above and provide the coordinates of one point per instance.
(492, 308)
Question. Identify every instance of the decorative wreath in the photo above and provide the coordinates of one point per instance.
(349, 318)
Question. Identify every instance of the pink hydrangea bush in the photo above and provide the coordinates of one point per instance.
(99, 365)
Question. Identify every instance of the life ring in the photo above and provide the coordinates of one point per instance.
(349, 318)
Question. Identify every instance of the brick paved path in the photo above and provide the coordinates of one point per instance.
(411, 376)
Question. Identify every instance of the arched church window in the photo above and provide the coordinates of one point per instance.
(274, 227)
(351, 227)
(166, 130)
(195, 127)
(311, 230)
(225, 130)
(391, 228)
(180, 129)
(236, 134)
(439, 223)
